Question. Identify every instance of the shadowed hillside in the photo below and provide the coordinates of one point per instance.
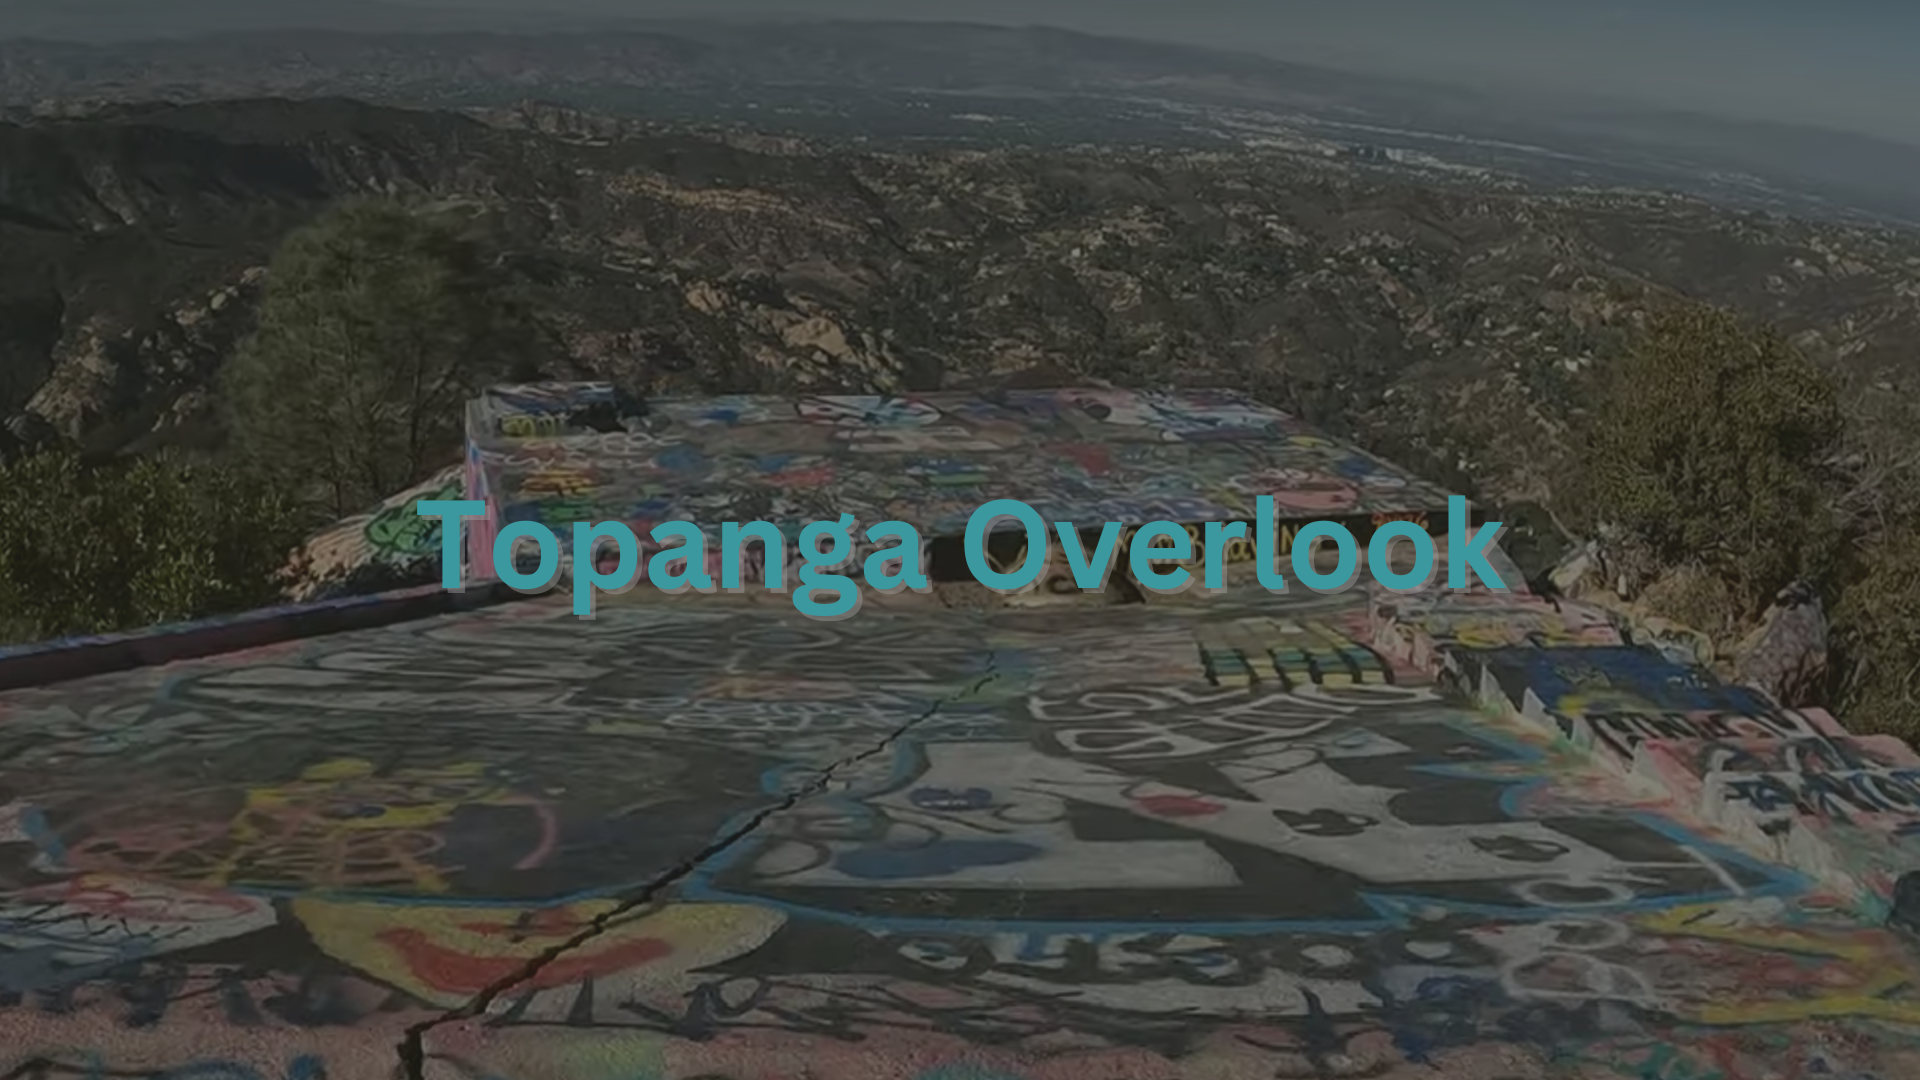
(131, 242)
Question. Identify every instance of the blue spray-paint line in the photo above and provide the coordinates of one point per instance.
(1392, 911)
(33, 822)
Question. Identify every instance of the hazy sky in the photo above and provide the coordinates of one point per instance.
(1853, 64)
(1848, 64)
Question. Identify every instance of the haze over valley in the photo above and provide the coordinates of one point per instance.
(930, 81)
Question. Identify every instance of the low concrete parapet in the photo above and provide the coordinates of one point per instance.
(82, 657)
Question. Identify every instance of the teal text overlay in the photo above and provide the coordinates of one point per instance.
(888, 557)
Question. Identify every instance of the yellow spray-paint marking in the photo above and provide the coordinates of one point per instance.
(1598, 702)
(1878, 975)
(529, 426)
(292, 819)
(463, 785)
(1498, 628)
(564, 482)
(1479, 633)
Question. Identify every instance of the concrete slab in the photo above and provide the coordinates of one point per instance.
(708, 838)
(556, 453)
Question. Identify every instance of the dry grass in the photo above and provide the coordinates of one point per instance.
(1694, 597)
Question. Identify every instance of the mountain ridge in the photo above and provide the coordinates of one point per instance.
(706, 262)
(873, 79)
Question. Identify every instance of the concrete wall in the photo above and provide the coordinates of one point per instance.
(392, 534)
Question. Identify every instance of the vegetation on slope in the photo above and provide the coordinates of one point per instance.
(1456, 331)
(1713, 460)
(378, 324)
(89, 548)
(1707, 445)
(1877, 621)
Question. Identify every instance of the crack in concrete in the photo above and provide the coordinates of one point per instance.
(412, 1048)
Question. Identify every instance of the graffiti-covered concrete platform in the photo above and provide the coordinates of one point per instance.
(556, 453)
(1473, 837)
(1470, 835)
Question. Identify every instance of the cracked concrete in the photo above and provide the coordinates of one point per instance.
(412, 1049)
(1230, 838)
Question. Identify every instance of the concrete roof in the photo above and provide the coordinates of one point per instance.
(1473, 835)
(1085, 455)
(556, 453)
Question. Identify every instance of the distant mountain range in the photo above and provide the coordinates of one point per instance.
(1448, 327)
(119, 21)
(916, 81)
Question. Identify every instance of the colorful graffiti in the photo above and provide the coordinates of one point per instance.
(1075, 455)
(1425, 629)
(1568, 687)
(1790, 785)
(393, 534)
(1296, 654)
(1232, 839)
(1367, 836)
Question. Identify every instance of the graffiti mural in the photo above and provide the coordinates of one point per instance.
(1621, 734)
(1274, 810)
(1087, 456)
(711, 840)
(1843, 807)
(1299, 654)
(1424, 629)
(1584, 693)
(394, 534)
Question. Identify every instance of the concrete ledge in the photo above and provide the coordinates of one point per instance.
(83, 657)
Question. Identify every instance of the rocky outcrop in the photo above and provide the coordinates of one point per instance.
(27, 433)
(114, 384)
(1786, 656)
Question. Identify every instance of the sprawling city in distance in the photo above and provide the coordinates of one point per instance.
(909, 540)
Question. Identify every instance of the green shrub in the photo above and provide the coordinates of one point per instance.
(87, 549)
(377, 325)
(1707, 446)
(1876, 638)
